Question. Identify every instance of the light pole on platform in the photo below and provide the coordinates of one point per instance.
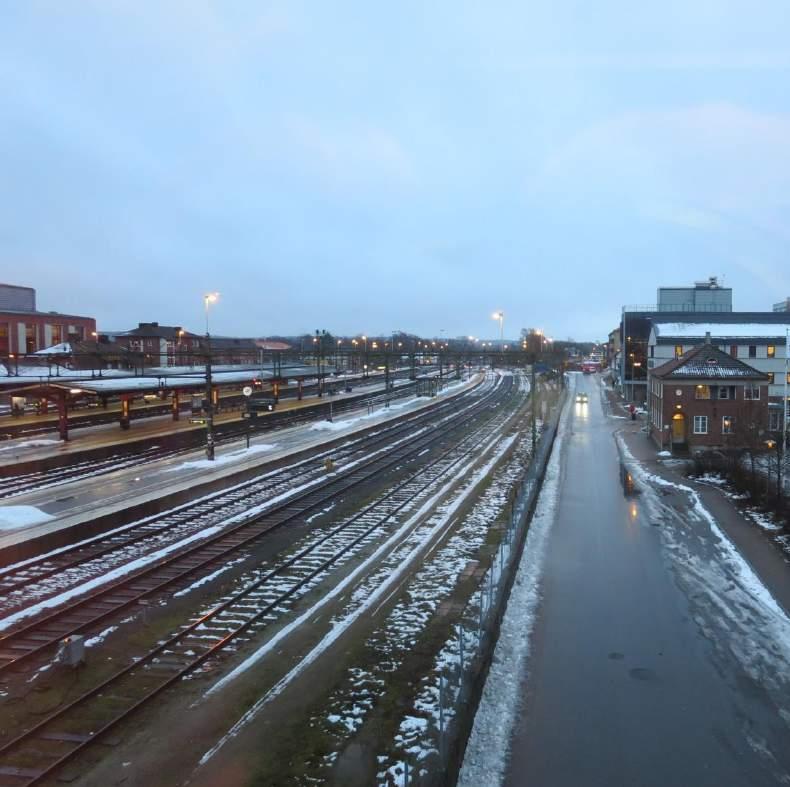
(208, 299)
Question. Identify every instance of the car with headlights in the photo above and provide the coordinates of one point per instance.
(581, 398)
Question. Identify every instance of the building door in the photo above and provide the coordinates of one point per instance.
(678, 429)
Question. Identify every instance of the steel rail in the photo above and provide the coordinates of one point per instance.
(22, 643)
(81, 741)
(36, 570)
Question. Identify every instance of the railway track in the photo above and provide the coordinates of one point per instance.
(170, 527)
(204, 548)
(184, 443)
(47, 745)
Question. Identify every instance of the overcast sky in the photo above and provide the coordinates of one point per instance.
(365, 167)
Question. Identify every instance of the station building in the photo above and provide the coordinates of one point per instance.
(705, 399)
(760, 341)
(24, 329)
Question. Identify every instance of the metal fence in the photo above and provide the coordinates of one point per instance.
(434, 756)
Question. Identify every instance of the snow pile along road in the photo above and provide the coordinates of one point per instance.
(486, 754)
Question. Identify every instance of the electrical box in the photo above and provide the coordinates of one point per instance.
(71, 651)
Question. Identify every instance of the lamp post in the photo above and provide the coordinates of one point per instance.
(319, 339)
(208, 299)
(500, 315)
(180, 348)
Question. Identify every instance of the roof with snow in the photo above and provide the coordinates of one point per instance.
(668, 331)
(115, 381)
(707, 362)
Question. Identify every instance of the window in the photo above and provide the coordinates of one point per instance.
(57, 334)
(774, 420)
(734, 350)
(772, 351)
(678, 350)
(30, 339)
(727, 424)
(652, 351)
(770, 378)
(702, 392)
(788, 378)
(722, 392)
(751, 392)
(700, 424)
(752, 350)
(5, 348)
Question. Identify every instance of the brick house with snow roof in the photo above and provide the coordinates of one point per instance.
(705, 399)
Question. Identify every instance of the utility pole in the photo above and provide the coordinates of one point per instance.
(207, 299)
(533, 392)
(783, 453)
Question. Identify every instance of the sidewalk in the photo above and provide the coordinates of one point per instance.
(765, 557)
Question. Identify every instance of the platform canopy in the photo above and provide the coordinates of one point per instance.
(116, 386)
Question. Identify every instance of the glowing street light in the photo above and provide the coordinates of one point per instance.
(500, 315)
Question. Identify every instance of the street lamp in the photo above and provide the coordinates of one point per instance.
(208, 299)
(500, 315)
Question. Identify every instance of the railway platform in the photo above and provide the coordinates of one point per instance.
(126, 402)
(139, 491)
(24, 450)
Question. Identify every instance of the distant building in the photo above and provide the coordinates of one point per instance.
(24, 329)
(613, 350)
(782, 306)
(158, 345)
(172, 345)
(703, 296)
(706, 399)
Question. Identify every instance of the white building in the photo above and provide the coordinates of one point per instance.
(762, 345)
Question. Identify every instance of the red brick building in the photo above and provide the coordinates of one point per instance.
(24, 329)
(160, 345)
(706, 399)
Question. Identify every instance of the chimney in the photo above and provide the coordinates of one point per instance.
(707, 337)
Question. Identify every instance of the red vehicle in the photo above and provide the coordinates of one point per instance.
(590, 367)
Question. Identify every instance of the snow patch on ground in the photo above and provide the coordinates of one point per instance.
(29, 444)
(225, 459)
(208, 578)
(15, 517)
(100, 637)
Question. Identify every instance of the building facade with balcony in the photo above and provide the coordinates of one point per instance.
(707, 400)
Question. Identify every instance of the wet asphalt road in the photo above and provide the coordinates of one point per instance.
(633, 678)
